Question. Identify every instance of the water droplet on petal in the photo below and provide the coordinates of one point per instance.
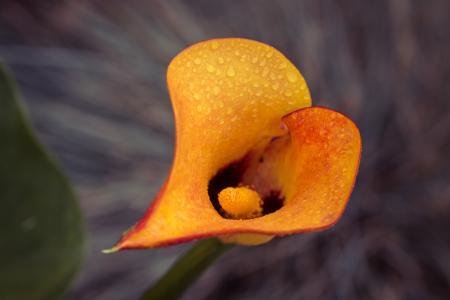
(214, 45)
(210, 68)
(291, 76)
(197, 61)
(282, 65)
(322, 132)
(231, 72)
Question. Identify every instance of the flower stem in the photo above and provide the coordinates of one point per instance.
(186, 270)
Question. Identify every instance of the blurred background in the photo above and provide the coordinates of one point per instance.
(93, 76)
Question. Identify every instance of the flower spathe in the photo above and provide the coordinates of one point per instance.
(244, 121)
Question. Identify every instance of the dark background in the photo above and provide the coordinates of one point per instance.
(93, 76)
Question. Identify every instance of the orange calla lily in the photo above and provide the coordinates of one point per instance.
(253, 160)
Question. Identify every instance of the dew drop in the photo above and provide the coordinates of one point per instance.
(291, 76)
(322, 132)
(254, 60)
(221, 60)
(216, 90)
(282, 65)
(265, 72)
(214, 45)
(197, 96)
(197, 61)
(275, 86)
(210, 68)
(269, 54)
(231, 72)
(288, 93)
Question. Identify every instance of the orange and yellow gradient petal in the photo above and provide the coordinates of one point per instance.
(245, 133)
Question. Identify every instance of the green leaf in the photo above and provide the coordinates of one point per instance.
(41, 230)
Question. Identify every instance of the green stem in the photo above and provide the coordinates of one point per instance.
(186, 270)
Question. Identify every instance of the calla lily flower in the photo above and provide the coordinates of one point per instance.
(253, 160)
